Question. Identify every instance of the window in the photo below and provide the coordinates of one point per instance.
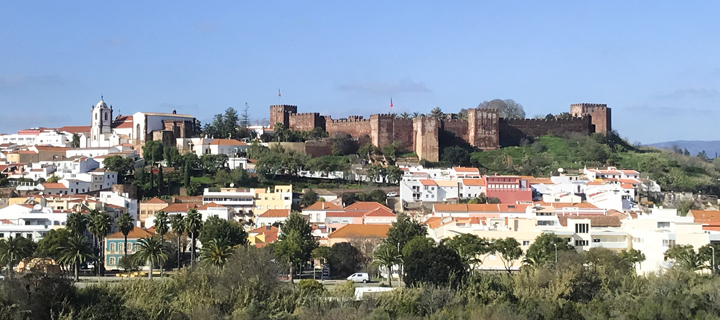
(663, 225)
(596, 240)
(581, 243)
(18, 235)
(545, 223)
(668, 243)
(112, 261)
(2, 235)
(581, 228)
(526, 243)
(112, 248)
(121, 247)
(130, 247)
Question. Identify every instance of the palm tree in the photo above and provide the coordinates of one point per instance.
(75, 252)
(12, 250)
(216, 252)
(405, 115)
(416, 114)
(178, 226)
(152, 251)
(99, 225)
(125, 224)
(193, 223)
(161, 227)
(76, 222)
(161, 223)
(386, 255)
(437, 113)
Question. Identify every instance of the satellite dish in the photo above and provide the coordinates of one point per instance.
(37, 207)
(560, 170)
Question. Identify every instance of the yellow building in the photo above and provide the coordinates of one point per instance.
(148, 208)
(22, 156)
(279, 197)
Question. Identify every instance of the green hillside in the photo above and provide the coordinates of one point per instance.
(542, 157)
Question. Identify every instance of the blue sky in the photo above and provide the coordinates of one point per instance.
(654, 63)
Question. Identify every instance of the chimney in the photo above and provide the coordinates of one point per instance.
(268, 227)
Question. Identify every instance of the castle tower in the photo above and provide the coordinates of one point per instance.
(281, 114)
(484, 128)
(600, 114)
(101, 123)
(426, 138)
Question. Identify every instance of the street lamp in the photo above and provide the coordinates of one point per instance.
(555, 244)
(713, 258)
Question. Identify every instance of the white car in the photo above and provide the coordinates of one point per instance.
(359, 277)
(392, 194)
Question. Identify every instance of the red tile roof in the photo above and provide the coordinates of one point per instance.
(474, 182)
(380, 212)
(210, 205)
(342, 214)
(276, 213)
(179, 207)
(154, 200)
(466, 170)
(227, 142)
(361, 231)
(364, 206)
(135, 233)
(48, 185)
(75, 129)
(323, 206)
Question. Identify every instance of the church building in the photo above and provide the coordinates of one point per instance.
(106, 131)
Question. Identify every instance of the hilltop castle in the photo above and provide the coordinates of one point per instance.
(484, 128)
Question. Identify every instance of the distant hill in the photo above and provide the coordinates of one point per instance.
(711, 147)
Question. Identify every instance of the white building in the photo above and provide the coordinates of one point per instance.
(237, 199)
(30, 221)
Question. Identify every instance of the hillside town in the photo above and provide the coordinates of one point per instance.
(55, 176)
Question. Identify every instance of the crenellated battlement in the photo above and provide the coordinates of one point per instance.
(483, 129)
(349, 120)
(306, 114)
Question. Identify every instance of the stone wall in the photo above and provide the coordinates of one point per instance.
(281, 114)
(483, 129)
(403, 133)
(600, 113)
(458, 127)
(305, 121)
(355, 126)
(512, 131)
(426, 144)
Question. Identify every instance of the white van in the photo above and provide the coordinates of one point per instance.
(359, 277)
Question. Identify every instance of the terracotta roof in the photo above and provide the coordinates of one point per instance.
(361, 231)
(135, 233)
(447, 207)
(48, 185)
(75, 129)
(51, 148)
(179, 207)
(227, 142)
(540, 180)
(380, 212)
(6, 221)
(433, 222)
(595, 221)
(323, 206)
(276, 213)
(154, 200)
(271, 235)
(581, 205)
(627, 186)
(114, 206)
(210, 205)
(596, 183)
(466, 170)
(428, 182)
(364, 206)
(473, 182)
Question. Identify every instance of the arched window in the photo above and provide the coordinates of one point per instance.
(130, 247)
(106, 115)
(96, 116)
(112, 248)
(121, 247)
(112, 261)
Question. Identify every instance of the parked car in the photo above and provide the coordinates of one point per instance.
(359, 277)
(392, 194)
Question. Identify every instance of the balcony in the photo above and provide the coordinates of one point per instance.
(609, 245)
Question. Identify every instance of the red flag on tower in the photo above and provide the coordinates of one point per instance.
(391, 105)
(279, 95)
